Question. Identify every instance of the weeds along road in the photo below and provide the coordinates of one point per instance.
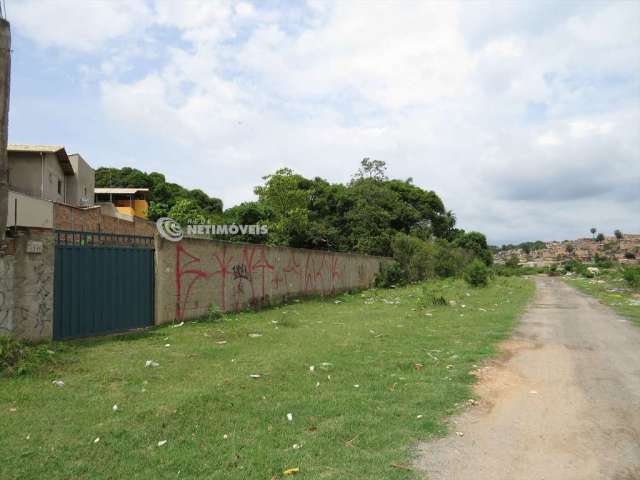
(563, 403)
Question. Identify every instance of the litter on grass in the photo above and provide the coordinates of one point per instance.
(177, 325)
(162, 442)
(291, 471)
(58, 383)
(290, 417)
(114, 408)
(151, 363)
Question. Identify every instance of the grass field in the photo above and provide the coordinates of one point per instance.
(387, 370)
(611, 289)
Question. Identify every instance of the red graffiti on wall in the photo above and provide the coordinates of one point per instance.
(223, 271)
(181, 271)
(292, 267)
(251, 272)
(335, 273)
(251, 264)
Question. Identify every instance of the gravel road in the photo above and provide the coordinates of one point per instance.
(562, 403)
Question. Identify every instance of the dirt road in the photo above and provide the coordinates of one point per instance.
(563, 403)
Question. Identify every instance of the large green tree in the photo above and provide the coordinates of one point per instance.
(364, 215)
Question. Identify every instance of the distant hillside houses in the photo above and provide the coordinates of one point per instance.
(624, 251)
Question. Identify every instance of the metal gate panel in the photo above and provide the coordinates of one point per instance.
(103, 284)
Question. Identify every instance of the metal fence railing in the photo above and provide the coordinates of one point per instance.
(101, 239)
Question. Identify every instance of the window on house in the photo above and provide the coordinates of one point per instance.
(59, 187)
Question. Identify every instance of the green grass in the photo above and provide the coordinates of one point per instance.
(202, 390)
(610, 289)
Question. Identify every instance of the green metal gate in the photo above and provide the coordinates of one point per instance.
(103, 283)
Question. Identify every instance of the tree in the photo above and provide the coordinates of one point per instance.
(570, 248)
(372, 169)
(593, 232)
(619, 236)
(512, 262)
(187, 212)
(600, 237)
(284, 190)
(476, 242)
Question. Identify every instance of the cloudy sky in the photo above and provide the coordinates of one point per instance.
(523, 116)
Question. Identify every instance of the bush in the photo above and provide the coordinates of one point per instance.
(575, 266)
(431, 296)
(421, 260)
(415, 257)
(512, 262)
(629, 255)
(553, 271)
(477, 273)
(449, 261)
(505, 270)
(390, 275)
(632, 276)
(603, 262)
(215, 313)
(11, 351)
(17, 358)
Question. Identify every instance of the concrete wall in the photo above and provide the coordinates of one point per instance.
(194, 274)
(37, 175)
(32, 212)
(80, 186)
(26, 286)
(7, 269)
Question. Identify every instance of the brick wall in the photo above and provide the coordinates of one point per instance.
(66, 217)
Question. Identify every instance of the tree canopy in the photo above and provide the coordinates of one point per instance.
(364, 215)
(163, 195)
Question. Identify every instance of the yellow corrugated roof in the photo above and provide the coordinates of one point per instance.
(120, 190)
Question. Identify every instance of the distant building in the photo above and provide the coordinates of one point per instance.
(48, 173)
(52, 190)
(128, 201)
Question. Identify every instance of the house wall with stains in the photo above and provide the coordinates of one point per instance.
(194, 274)
(26, 286)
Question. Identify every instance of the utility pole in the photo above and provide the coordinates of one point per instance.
(5, 81)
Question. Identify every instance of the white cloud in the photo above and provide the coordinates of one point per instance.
(512, 117)
(78, 25)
